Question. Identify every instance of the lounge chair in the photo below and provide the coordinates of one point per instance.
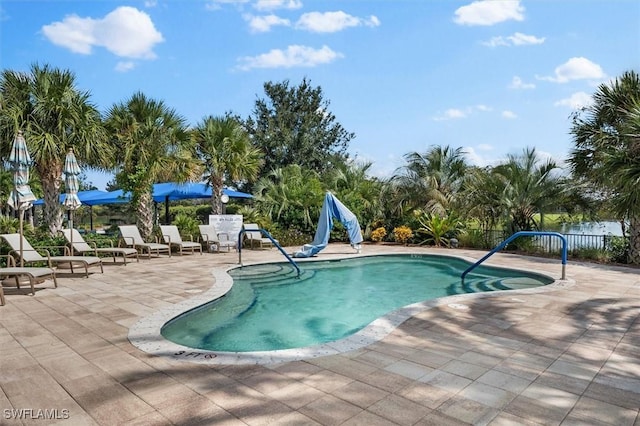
(81, 246)
(171, 236)
(35, 275)
(212, 238)
(254, 236)
(30, 255)
(130, 235)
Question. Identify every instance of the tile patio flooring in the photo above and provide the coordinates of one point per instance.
(568, 356)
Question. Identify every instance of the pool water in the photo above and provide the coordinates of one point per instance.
(268, 308)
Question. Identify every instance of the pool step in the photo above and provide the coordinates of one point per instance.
(273, 276)
(479, 285)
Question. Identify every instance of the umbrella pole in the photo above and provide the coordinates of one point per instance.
(21, 221)
(71, 230)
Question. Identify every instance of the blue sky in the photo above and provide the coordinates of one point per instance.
(492, 76)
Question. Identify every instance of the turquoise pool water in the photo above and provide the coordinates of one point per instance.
(268, 308)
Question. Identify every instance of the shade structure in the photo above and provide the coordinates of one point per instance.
(163, 192)
(71, 202)
(21, 197)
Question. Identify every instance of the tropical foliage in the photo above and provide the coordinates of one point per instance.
(607, 150)
(152, 145)
(54, 115)
(227, 154)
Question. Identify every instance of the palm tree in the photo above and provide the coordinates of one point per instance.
(227, 153)
(531, 185)
(54, 116)
(606, 135)
(430, 180)
(152, 145)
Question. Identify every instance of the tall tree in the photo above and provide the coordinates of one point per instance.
(606, 135)
(294, 126)
(430, 180)
(54, 116)
(153, 145)
(227, 153)
(531, 185)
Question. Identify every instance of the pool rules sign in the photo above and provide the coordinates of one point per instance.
(230, 224)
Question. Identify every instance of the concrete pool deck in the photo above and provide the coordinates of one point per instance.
(567, 356)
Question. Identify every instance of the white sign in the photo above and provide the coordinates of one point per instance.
(230, 224)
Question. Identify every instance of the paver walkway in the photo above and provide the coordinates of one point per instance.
(569, 356)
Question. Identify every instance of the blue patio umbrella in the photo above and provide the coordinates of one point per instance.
(21, 197)
(71, 202)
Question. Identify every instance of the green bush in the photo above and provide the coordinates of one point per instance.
(618, 249)
(291, 237)
(187, 225)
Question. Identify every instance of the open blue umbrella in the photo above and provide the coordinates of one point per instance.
(21, 196)
(71, 171)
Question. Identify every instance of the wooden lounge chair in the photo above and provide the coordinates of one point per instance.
(35, 276)
(171, 236)
(30, 255)
(212, 238)
(130, 235)
(254, 236)
(81, 246)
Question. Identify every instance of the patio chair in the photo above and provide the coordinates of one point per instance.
(212, 238)
(254, 236)
(30, 255)
(171, 236)
(35, 276)
(130, 235)
(81, 246)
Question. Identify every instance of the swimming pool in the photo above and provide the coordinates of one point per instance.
(268, 308)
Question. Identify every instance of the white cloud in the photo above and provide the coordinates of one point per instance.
(451, 114)
(517, 83)
(477, 159)
(517, 39)
(510, 115)
(125, 32)
(489, 12)
(125, 66)
(277, 4)
(217, 4)
(293, 56)
(150, 3)
(485, 147)
(576, 69)
(262, 24)
(576, 101)
(331, 22)
(457, 113)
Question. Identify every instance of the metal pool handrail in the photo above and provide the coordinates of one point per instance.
(275, 243)
(521, 234)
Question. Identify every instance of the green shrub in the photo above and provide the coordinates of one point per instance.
(187, 225)
(618, 249)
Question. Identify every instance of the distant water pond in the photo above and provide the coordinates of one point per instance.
(592, 228)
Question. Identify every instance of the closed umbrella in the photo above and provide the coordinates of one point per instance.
(21, 196)
(71, 202)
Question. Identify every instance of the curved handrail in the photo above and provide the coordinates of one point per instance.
(275, 243)
(520, 234)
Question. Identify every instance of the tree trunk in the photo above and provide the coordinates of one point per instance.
(50, 174)
(634, 239)
(145, 216)
(216, 193)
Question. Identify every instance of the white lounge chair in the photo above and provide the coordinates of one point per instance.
(130, 235)
(79, 245)
(35, 276)
(30, 255)
(254, 236)
(212, 238)
(171, 236)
